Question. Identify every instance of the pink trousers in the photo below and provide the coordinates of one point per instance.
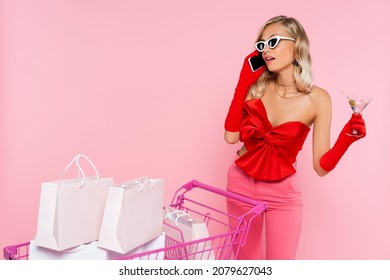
(280, 224)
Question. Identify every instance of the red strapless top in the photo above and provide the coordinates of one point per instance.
(272, 150)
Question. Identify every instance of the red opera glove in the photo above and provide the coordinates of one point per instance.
(247, 78)
(330, 159)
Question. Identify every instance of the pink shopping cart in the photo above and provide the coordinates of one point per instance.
(225, 238)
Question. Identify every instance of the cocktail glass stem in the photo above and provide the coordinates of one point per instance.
(354, 130)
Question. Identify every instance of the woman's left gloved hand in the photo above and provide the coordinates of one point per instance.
(330, 159)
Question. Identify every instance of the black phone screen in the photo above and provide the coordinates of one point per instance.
(256, 62)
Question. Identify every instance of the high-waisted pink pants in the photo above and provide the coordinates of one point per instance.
(282, 219)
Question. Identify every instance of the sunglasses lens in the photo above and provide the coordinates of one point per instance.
(273, 42)
(260, 46)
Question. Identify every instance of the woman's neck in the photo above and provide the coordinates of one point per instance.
(285, 77)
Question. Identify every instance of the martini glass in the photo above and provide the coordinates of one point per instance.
(358, 103)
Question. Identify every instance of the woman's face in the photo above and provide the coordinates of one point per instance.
(282, 56)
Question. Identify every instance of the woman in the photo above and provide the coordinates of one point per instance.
(271, 112)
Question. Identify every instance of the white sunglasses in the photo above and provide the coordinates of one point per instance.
(271, 42)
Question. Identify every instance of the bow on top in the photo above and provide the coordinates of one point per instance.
(272, 150)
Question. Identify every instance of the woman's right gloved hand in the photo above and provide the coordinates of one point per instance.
(246, 79)
(330, 159)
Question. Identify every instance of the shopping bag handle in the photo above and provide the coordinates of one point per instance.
(182, 213)
(259, 206)
(140, 185)
(80, 171)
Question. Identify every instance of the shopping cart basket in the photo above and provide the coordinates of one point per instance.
(227, 232)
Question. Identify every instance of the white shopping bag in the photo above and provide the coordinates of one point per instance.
(89, 251)
(133, 215)
(182, 227)
(71, 211)
(157, 243)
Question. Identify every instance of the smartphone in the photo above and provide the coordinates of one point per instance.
(256, 62)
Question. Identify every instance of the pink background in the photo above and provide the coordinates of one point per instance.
(143, 87)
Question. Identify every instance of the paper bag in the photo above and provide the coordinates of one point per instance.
(88, 251)
(71, 211)
(133, 215)
(157, 243)
(182, 227)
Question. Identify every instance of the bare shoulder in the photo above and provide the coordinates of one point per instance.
(319, 97)
(319, 94)
(321, 101)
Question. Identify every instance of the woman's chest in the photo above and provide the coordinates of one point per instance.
(298, 108)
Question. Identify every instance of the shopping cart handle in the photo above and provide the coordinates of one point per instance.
(260, 206)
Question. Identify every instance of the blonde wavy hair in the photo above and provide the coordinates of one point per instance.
(302, 70)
